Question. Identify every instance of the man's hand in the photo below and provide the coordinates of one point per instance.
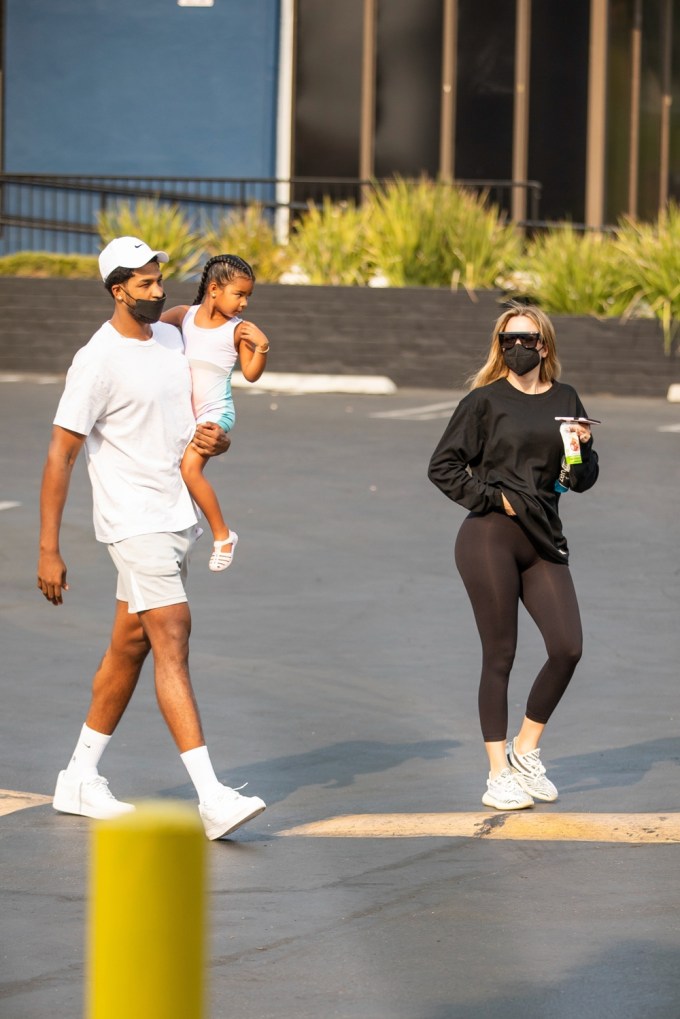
(210, 440)
(52, 576)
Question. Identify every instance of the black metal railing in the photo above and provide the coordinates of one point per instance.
(58, 213)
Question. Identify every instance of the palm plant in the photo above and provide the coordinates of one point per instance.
(432, 233)
(248, 232)
(650, 268)
(569, 272)
(164, 227)
(327, 244)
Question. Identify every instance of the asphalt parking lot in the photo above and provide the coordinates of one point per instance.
(336, 666)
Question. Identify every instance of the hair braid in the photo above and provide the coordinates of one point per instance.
(222, 269)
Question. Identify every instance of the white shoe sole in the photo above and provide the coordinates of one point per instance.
(66, 802)
(489, 801)
(217, 831)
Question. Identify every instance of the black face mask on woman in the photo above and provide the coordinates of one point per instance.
(520, 360)
(146, 312)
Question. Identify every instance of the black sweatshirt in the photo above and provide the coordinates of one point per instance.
(502, 441)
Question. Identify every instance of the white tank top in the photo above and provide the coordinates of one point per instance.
(212, 356)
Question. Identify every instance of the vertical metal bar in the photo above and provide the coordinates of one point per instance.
(597, 121)
(368, 74)
(634, 141)
(666, 100)
(447, 128)
(285, 121)
(520, 125)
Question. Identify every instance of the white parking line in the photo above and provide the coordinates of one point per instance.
(669, 428)
(9, 505)
(39, 380)
(430, 412)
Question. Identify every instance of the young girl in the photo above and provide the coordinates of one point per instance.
(214, 337)
(500, 457)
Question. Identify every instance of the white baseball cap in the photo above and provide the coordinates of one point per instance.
(127, 253)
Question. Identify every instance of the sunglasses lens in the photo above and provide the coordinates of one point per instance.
(528, 340)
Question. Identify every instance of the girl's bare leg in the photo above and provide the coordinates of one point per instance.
(202, 492)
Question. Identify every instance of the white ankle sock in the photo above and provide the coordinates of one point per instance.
(87, 754)
(201, 772)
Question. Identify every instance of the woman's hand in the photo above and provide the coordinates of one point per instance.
(584, 433)
(507, 507)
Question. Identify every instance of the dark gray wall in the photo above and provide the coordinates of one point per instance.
(417, 336)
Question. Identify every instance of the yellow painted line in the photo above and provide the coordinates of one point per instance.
(524, 825)
(10, 801)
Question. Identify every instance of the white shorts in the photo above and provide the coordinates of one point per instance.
(152, 568)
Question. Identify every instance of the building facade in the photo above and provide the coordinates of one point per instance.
(581, 97)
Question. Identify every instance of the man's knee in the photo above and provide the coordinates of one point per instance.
(168, 627)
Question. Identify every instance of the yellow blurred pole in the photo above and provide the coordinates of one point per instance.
(146, 930)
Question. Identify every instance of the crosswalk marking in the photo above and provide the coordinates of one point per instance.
(524, 825)
(429, 412)
(518, 826)
(11, 801)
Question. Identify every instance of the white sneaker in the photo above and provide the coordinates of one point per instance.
(505, 793)
(89, 797)
(227, 811)
(530, 773)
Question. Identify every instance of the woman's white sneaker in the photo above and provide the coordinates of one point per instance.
(89, 797)
(530, 773)
(505, 793)
(227, 811)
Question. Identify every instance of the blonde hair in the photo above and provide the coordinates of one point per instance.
(495, 367)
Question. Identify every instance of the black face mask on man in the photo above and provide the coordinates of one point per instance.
(144, 311)
(520, 360)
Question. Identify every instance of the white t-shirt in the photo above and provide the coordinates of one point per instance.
(132, 399)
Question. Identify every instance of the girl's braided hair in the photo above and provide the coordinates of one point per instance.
(222, 269)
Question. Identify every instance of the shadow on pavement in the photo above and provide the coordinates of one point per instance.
(333, 767)
(616, 767)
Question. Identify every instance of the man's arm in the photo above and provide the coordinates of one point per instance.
(61, 456)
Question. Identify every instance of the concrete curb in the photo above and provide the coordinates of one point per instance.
(297, 384)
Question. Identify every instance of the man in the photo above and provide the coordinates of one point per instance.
(127, 400)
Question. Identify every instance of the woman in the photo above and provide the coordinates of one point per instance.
(500, 457)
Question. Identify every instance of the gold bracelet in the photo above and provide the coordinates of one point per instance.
(258, 351)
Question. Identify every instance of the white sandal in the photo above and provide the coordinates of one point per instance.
(219, 560)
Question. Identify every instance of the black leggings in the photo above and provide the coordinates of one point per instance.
(500, 567)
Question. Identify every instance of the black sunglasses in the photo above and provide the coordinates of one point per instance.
(528, 340)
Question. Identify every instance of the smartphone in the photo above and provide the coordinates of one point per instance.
(580, 421)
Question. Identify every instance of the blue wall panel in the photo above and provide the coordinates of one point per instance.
(141, 87)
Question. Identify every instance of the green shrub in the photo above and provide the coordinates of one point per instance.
(47, 265)
(163, 227)
(481, 243)
(650, 268)
(432, 233)
(327, 244)
(569, 272)
(248, 233)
